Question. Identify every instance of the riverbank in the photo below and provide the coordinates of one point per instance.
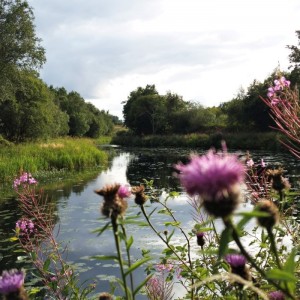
(243, 141)
(68, 154)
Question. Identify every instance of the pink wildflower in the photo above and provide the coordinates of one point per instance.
(211, 174)
(164, 267)
(25, 226)
(250, 163)
(25, 178)
(124, 191)
(216, 178)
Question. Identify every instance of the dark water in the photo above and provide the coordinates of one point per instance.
(78, 211)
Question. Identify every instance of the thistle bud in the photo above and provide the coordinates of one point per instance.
(140, 197)
(279, 183)
(238, 266)
(113, 205)
(277, 295)
(105, 296)
(269, 207)
(200, 239)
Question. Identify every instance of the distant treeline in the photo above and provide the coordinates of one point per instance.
(146, 112)
(29, 109)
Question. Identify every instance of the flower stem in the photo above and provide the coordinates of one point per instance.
(120, 259)
(129, 261)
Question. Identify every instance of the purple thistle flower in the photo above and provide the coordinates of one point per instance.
(236, 260)
(211, 174)
(11, 281)
(124, 191)
(200, 234)
(277, 295)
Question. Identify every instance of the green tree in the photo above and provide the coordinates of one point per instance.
(141, 110)
(31, 112)
(20, 48)
(294, 58)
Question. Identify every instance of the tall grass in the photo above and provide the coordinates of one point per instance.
(70, 154)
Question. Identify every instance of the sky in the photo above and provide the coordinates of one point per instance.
(204, 51)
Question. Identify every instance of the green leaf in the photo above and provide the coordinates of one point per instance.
(102, 229)
(139, 223)
(142, 284)
(137, 264)
(124, 287)
(254, 213)
(290, 263)
(105, 257)
(202, 229)
(169, 236)
(46, 264)
(243, 222)
(176, 224)
(289, 267)
(224, 240)
(174, 194)
(13, 239)
(164, 212)
(152, 212)
(129, 242)
(281, 275)
(33, 291)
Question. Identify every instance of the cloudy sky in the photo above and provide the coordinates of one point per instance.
(202, 50)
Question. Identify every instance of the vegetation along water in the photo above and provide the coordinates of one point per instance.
(211, 225)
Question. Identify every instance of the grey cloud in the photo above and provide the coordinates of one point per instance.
(51, 13)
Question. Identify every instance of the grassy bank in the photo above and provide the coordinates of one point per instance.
(70, 154)
(243, 141)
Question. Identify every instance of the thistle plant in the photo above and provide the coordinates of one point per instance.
(114, 207)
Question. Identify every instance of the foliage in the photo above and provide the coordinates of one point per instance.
(84, 118)
(236, 140)
(31, 113)
(20, 49)
(19, 45)
(29, 109)
(57, 154)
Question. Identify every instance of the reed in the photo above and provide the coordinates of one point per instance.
(69, 154)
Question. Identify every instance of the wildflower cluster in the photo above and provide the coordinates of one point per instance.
(275, 92)
(24, 180)
(25, 226)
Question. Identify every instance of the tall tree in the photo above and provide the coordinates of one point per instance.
(19, 45)
(20, 48)
(294, 58)
(132, 110)
(31, 113)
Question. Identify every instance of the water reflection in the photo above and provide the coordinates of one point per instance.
(78, 210)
